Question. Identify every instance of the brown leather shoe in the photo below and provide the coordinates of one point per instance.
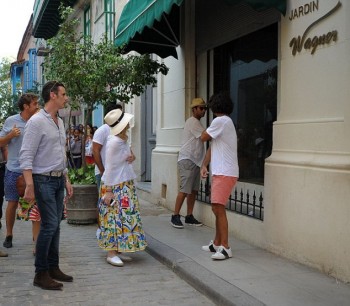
(3, 254)
(57, 274)
(43, 280)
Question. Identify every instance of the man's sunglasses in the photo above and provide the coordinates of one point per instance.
(201, 107)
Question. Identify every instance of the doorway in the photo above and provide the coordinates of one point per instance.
(148, 135)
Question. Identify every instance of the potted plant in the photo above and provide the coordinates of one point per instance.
(81, 207)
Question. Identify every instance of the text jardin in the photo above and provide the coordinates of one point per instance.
(297, 43)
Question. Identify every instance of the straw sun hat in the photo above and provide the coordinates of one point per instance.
(117, 120)
(197, 102)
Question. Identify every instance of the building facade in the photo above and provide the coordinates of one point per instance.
(291, 110)
(24, 70)
(285, 66)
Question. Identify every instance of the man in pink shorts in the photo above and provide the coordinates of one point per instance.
(224, 169)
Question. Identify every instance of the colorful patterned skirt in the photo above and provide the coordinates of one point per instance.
(120, 224)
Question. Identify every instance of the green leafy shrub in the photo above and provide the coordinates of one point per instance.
(82, 176)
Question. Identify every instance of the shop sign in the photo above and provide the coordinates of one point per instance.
(311, 43)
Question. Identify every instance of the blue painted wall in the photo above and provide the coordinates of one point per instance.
(97, 116)
(25, 73)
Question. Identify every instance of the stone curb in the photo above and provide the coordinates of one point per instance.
(215, 288)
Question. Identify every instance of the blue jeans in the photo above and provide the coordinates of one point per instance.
(49, 194)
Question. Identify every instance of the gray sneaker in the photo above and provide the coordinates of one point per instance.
(176, 221)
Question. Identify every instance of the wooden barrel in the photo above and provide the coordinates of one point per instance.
(82, 206)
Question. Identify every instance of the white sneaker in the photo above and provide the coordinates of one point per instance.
(115, 261)
(124, 257)
(222, 253)
(211, 247)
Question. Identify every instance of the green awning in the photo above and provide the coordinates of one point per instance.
(156, 20)
(260, 5)
(153, 26)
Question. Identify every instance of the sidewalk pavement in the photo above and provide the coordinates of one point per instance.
(144, 281)
(252, 277)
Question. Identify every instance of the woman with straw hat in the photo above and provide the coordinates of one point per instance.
(119, 215)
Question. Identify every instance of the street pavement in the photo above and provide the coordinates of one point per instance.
(177, 273)
(144, 281)
(252, 277)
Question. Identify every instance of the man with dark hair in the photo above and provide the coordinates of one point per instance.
(43, 161)
(12, 136)
(224, 169)
(190, 158)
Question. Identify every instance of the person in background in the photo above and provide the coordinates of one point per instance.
(222, 154)
(3, 159)
(69, 133)
(119, 216)
(43, 161)
(12, 136)
(75, 148)
(88, 145)
(81, 128)
(190, 159)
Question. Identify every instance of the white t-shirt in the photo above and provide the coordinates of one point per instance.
(192, 145)
(100, 137)
(117, 169)
(224, 159)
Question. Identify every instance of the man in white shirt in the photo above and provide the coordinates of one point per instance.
(224, 170)
(190, 158)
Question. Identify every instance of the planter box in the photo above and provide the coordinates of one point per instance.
(82, 206)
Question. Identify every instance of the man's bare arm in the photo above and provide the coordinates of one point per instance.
(96, 152)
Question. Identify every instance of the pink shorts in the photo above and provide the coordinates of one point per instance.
(221, 187)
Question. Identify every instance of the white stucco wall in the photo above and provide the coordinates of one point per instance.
(174, 94)
(170, 121)
(307, 176)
